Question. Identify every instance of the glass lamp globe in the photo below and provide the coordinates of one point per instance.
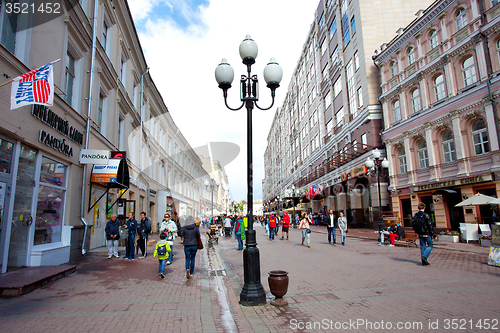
(376, 153)
(248, 50)
(224, 74)
(369, 163)
(385, 163)
(273, 74)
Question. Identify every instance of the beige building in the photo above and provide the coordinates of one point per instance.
(101, 80)
(221, 192)
(331, 117)
(440, 91)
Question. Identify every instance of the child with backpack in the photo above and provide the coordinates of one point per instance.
(162, 251)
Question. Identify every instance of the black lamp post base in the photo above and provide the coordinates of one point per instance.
(252, 293)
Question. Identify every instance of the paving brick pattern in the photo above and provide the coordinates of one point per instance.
(329, 285)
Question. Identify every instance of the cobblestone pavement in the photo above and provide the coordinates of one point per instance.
(360, 287)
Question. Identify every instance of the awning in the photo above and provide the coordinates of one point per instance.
(445, 191)
(179, 198)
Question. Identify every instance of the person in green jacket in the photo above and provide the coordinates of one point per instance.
(162, 257)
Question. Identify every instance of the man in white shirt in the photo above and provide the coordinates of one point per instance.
(227, 226)
(331, 224)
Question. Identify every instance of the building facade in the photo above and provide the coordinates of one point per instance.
(440, 90)
(101, 80)
(331, 118)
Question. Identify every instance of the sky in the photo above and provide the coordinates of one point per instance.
(184, 41)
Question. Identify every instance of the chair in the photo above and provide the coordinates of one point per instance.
(485, 229)
(471, 232)
(463, 229)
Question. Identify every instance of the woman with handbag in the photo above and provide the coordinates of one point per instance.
(306, 231)
(342, 223)
(191, 235)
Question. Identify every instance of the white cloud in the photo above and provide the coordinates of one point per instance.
(183, 62)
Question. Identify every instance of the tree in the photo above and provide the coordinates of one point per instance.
(236, 206)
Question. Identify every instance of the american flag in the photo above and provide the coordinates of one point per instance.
(34, 87)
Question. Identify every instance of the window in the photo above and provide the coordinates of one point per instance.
(415, 101)
(411, 56)
(439, 90)
(360, 96)
(322, 19)
(402, 160)
(480, 137)
(353, 25)
(433, 39)
(70, 77)
(351, 90)
(356, 61)
(364, 139)
(104, 41)
(123, 70)
(494, 2)
(396, 110)
(324, 46)
(121, 134)
(423, 157)
(100, 108)
(335, 56)
(339, 117)
(333, 28)
(345, 29)
(337, 87)
(9, 26)
(329, 127)
(461, 19)
(394, 69)
(469, 71)
(135, 95)
(449, 147)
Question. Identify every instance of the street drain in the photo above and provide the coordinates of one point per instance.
(217, 272)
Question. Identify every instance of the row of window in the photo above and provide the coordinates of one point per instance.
(479, 138)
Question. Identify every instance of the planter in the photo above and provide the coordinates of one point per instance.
(486, 242)
(278, 284)
(448, 238)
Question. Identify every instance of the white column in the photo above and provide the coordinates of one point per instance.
(492, 131)
(457, 135)
(430, 146)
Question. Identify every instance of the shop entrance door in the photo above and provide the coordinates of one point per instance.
(487, 210)
(125, 207)
(98, 221)
(456, 213)
(6, 156)
(407, 213)
(429, 207)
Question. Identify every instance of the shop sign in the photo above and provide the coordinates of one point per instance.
(48, 117)
(454, 182)
(57, 144)
(93, 156)
(105, 173)
(359, 171)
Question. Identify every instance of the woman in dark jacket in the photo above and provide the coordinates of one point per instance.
(190, 234)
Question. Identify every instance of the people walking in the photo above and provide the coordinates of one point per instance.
(272, 226)
(162, 250)
(227, 226)
(143, 231)
(306, 230)
(112, 236)
(342, 223)
(422, 225)
(169, 227)
(190, 234)
(131, 227)
(239, 232)
(331, 225)
(286, 225)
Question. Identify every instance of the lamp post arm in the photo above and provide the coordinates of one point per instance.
(272, 103)
(230, 108)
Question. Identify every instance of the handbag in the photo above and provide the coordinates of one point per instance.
(200, 243)
(308, 230)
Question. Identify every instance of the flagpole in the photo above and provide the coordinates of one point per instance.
(3, 84)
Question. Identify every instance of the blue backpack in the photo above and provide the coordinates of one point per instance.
(162, 250)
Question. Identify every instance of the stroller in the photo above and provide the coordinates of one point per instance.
(212, 235)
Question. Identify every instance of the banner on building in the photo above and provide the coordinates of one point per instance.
(34, 87)
(105, 173)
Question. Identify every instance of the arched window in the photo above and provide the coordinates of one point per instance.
(469, 71)
(423, 156)
(397, 111)
(402, 160)
(411, 56)
(449, 147)
(461, 19)
(498, 50)
(480, 137)
(433, 39)
(394, 69)
(415, 101)
(439, 90)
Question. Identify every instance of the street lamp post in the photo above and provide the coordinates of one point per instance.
(294, 195)
(252, 293)
(377, 166)
(212, 186)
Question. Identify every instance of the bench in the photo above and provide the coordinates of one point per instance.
(410, 238)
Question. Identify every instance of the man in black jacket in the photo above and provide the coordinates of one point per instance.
(425, 234)
(143, 230)
(112, 236)
(131, 226)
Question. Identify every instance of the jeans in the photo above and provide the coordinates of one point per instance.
(170, 255)
(240, 242)
(342, 236)
(130, 248)
(112, 247)
(331, 230)
(425, 246)
(190, 252)
(142, 244)
(271, 233)
(306, 236)
(161, 265)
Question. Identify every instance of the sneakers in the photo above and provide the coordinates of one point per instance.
(424, 261)
(343, 244)
(140, 257)
(109, 257)
(130, 258)
(161, 275)
(116, 256)
(125, 257)
(302, 243)
(187, 274)
(168, 262)
(308, 245)
(390, 245)
(380, 244)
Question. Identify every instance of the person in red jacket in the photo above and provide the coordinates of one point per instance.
(272, 226)
(286, 224)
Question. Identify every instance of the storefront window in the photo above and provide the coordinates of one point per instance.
(49, 215)
(52, 172)
(6, 149)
